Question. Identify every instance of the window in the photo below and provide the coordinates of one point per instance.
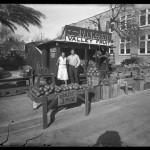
(125, 46)
(125, 22)
(142, 47)
(145, 17)
(128, 48)
(143, 20)
(109, 28)
(128, 21)
(122, 49)
(144, 44)
(112, 27)
(148, 46)
(111, 51)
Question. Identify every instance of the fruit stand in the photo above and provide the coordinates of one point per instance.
(61, 96)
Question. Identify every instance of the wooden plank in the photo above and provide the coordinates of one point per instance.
(45, 125)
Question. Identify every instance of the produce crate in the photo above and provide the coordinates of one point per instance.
(139, 84)
(93, 80)
(109, 90)
(147, 85)
(114, 90)
(104, 91)
(146, 78)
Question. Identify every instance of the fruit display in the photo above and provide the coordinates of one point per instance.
(138, 77)
(93, 71)
(105, 82)
(46, 90)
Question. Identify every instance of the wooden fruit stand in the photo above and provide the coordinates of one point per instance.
(57, 99)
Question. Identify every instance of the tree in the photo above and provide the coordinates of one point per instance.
(40, 38)
(16, 14)
(5, 32)
(126, 30)
(97, 23)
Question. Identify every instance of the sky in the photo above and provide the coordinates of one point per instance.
(59, 15)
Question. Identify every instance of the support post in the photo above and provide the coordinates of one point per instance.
(85, 60)
(45, 125)
(86, 102)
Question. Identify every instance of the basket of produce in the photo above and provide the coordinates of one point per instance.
(93, 76)
(25, 71)
(37, 93)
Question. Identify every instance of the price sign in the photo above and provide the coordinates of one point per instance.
(67, 98)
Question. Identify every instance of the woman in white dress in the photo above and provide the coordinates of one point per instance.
(62, 68)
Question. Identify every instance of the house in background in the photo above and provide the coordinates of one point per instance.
(123, 48)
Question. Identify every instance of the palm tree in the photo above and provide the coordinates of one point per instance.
(16, 14)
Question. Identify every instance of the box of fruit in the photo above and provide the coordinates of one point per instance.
(38, 93)
(139, 83)
(113, 88)
(105, 89)
(108, 89)
(93, 76)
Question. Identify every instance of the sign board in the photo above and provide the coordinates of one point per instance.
(52, 49)
(67, 98)
(52, 55)
(88, 36)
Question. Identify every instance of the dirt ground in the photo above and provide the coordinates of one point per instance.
(122, 121)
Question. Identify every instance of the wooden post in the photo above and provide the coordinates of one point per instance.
(44, 58)
(86, 102)
(45, 125)
(85, 60)
(126, 89)
(38, 80)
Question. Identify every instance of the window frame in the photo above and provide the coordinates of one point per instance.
(146, 40)
(112, 42)
(125, 49)
(125, 19)
(147, 14)
(109, 30)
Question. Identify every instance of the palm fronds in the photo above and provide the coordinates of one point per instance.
(16, 14)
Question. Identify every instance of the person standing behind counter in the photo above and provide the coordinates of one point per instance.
(74, 62)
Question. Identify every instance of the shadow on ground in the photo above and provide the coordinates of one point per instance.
(109, 139)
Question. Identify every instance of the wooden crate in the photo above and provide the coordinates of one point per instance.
(147, 85)
(105, 91)
(146, 78)
(113, 90)
(108, 91)
(93, 80)
(139, 85)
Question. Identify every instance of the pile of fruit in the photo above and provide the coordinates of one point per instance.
(46, 90)
(105, 82)
(93, 71)
(138, 77)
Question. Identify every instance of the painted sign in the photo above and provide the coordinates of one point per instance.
(67, 98)
(83, 35)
